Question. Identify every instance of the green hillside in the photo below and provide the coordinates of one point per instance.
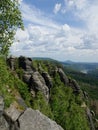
(64, 106)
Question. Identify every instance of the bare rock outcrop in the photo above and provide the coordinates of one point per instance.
(35, 120)
(47, 79)
(11, 62)
(1, 105)
(75, 86)
(25, 63)
(37, 83)
(14, 119)
(3, 123)
(63, 77)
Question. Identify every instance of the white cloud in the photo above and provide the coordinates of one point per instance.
(21, 35)
(78, 4)
(57, 8)
(35, 16)
(43, 37)
(19, 1)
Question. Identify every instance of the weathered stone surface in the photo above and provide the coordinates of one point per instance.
(1, 105)
(21, 102)
(75, 86)
(92, 127)
(3, 124)
(26, 77)
(37, 83)
(11, 62)
(63, 77)
(47, 79)
(12, 113)
(25, 63)
(34, 120)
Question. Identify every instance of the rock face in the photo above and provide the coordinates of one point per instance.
(41, 82)
(47, 78)
(25, 63)
(26, 77)
(3, 122)
(34, 120)
(11, 62)
(63, 77)
(1, 105)
(37, 83)
(13, 119)
(12, 113)
(31, 77)
(75, 86)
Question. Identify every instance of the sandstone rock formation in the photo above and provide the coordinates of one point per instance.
(1, 105)
(29, 119)
(75, 86)
(37, 83)
(25, 63)
(11, 62)
(34, 120)
(3, 123)
(63, 77)
(47, 79)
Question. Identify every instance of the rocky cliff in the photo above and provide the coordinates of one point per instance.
(13, 119)
(36, 87)
(41, 80)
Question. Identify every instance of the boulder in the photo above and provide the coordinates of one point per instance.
(37, 83)
(12, 113)
(47, 79)
(63, 77)
(25, 63)
(34, 120)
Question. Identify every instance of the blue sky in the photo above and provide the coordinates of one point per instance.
(59, 29)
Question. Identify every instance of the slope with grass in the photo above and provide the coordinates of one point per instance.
(63, 105)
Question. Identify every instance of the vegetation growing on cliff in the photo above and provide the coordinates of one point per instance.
(64, 106)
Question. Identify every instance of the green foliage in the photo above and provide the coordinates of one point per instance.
(5, 83)
(66, 107)
(20, 73)
(8, 100)
(81, 77)
(23, 90)
(90, 89)
(8, 84)
(45, 65)
(10, 20)
(88, 82)
(39, 102)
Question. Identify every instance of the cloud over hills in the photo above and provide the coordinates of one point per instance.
(44, 36)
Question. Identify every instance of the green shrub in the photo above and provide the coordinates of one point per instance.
(66, 107)
(39, 103)
(23, 90)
